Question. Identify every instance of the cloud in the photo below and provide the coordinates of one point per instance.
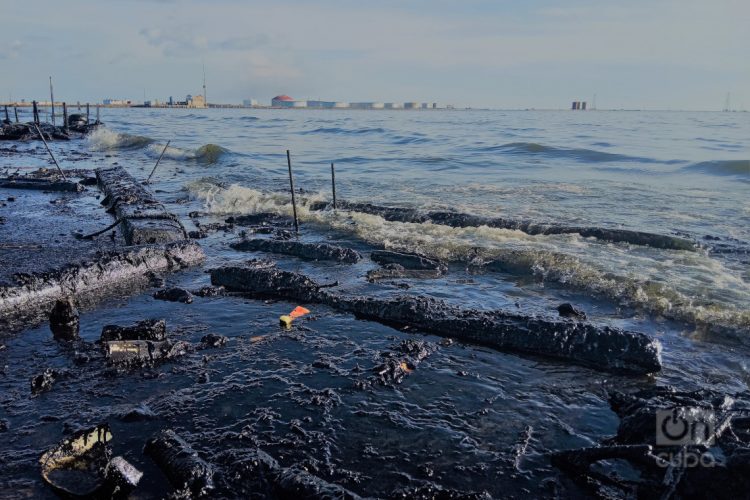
(12, 51)
(182, 41)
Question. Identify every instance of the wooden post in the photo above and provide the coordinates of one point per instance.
(52, 100)
(7, 118)
(41, 136)
(291, 186)
(333, 185)
(35, 113)
(157, 161)
(87, 113)
(15, 110)
(65, 117)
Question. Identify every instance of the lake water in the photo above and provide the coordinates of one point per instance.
(456, 419)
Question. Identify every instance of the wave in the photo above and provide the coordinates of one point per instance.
(345, 131)
(208, 153)
(582, 154)
(248, 118)
(500, 250)
(721, 167)
(103, 139)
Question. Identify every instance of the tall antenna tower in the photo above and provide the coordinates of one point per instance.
(205, 96)
(727, 105)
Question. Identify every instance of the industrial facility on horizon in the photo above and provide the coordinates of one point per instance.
(284, 101)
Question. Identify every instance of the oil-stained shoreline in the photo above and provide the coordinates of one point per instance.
(332, 405)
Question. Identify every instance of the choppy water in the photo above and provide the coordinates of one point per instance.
(456, 419)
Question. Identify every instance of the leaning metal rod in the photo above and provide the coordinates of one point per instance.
(157, 161)
(291, 186)
(50, 152)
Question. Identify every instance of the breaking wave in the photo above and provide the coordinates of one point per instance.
(722, 167)
(208, 153)
(568, 260)
(104, 139)
(581, 154)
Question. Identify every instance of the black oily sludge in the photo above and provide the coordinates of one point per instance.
(143, 217)
(600, 347)
(308, 251)
(180, 463)
(457, 219)
(717, 445)
(255, 472)
(92, 279)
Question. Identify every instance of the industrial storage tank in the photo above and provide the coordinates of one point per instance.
(283, 101)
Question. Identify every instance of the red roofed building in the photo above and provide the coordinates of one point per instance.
(284, 101)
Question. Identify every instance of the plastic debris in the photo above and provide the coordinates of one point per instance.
(286, 319)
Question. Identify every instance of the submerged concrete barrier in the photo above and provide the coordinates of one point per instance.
(92, 279)
(144, 219)
(586, 344)
(457, 219)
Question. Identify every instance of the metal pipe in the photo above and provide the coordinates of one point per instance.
(333, 185)
(157, 161)
(52, 100)
(50, 152)
(291, 186)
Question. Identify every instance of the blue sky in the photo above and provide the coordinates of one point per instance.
(665, 54)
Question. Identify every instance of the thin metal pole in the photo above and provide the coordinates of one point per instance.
(52, 100)
(333, 185)
(7, 118)
(157, 161)
(291, 186)
(87, 113)
(50, 152)
(35, 116)
(65, 117)
(15, 110)
(97, 113)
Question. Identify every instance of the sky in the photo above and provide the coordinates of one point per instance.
(634, 54)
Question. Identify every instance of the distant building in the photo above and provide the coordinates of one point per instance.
(327, 104)
(393, 105)
(249, 103)
(152, 104)
(434, 105)
(116, 102)
(411, 105)
(367, 105)
(284, 101)
(196, 102)
(425, 105)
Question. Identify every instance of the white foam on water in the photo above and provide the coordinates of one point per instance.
(103, 139)
(685, 286)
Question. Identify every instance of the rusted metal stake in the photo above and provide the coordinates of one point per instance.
(333, 185)
(157, 161)
(291, 186)
(65, 117)
(87, 113)
(50, 152)
(36, 112)
(15, 110)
